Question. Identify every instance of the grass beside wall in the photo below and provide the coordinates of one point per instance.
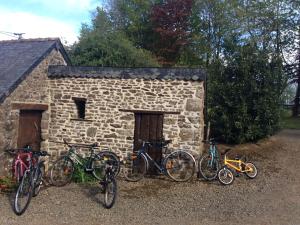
(289, 122)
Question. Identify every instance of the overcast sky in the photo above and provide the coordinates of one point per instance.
(45, 18)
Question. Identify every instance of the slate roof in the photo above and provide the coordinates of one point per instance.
(19, 57)
(126, 73)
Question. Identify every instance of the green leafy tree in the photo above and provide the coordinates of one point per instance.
(102, 45)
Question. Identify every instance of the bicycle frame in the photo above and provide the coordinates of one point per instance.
(75, 157)
(213, 152)
(236, 164)
(20, 160)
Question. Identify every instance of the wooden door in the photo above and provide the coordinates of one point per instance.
(30, 129)
(149, 127)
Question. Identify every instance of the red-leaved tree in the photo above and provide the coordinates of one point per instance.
(170, 21)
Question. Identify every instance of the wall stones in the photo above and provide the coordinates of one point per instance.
(115, 128)
(34, 89)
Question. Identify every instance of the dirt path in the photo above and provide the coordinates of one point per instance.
(271, 198)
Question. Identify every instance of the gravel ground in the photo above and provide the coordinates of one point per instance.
(271, 198)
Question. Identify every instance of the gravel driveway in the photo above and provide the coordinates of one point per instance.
(271, 198)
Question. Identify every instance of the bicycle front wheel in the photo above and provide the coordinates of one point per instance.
(62, 171)
(102, 158)
(208, 167)
(225, 175)
(24, 194)
(180, 166)
(110, 192)
(136, 170)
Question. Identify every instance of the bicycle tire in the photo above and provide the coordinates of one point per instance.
(98, 164)
(136, 170)
(251, 174)
(110, 192)
(62, 171)
(180, 166)
(38, 177)
(208, 170)
(25, 188)
(226, 176)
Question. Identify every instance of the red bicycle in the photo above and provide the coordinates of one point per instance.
(20, 163)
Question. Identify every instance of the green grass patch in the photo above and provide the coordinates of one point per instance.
(7, 184)
(80, 176)
(289, 122)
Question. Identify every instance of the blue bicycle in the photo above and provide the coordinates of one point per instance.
(209, 164)
(178, 165)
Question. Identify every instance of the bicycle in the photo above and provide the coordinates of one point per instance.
(19, 164)
(178, 165)
(227, 173)
(109, 185)
(62, 170)
(31, 181)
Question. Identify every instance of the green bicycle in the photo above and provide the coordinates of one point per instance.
(62, 170)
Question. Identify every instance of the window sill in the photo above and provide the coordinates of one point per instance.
(83, 120)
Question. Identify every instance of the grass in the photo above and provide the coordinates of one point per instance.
(289, 122)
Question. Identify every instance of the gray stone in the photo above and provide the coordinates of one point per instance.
(91, 132)
(193, 105)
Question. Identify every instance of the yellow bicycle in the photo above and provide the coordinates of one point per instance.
(231, 167)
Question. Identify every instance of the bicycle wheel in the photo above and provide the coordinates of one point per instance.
(208, 167)
(251, 170)
(62, 171)
(24, 194)
(98, 163)
(38, 177)
(180, 166)
(136, 170)
(225, 175)
(110, 192)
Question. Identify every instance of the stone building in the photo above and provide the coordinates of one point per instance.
(112, 106)
(24, 90)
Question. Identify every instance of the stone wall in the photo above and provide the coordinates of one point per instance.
(108, 126)
(33, 89)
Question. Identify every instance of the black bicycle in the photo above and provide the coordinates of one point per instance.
(62, 170)
(178, 165)
(31, 181)
(109, 185)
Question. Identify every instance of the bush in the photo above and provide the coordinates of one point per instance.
(244, 97)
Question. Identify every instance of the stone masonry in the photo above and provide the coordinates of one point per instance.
(106, 124)
(33, 89)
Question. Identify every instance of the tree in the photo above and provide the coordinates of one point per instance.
(102, 45)
(243, 100)
(170, 21)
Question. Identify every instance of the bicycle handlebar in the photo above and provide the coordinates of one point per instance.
(14, 151)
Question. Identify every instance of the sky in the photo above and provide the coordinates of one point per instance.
(45, 18)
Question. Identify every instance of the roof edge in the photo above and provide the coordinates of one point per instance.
(159, 73)
(56, 45)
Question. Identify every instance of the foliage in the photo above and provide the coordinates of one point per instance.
(80, 176)
(244, 97)
(7, 183)
(102, 45)
(288, 121)
(170, 21)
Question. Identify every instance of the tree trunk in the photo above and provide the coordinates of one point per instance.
(297, 98)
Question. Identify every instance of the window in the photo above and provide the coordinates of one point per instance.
(80, 106)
